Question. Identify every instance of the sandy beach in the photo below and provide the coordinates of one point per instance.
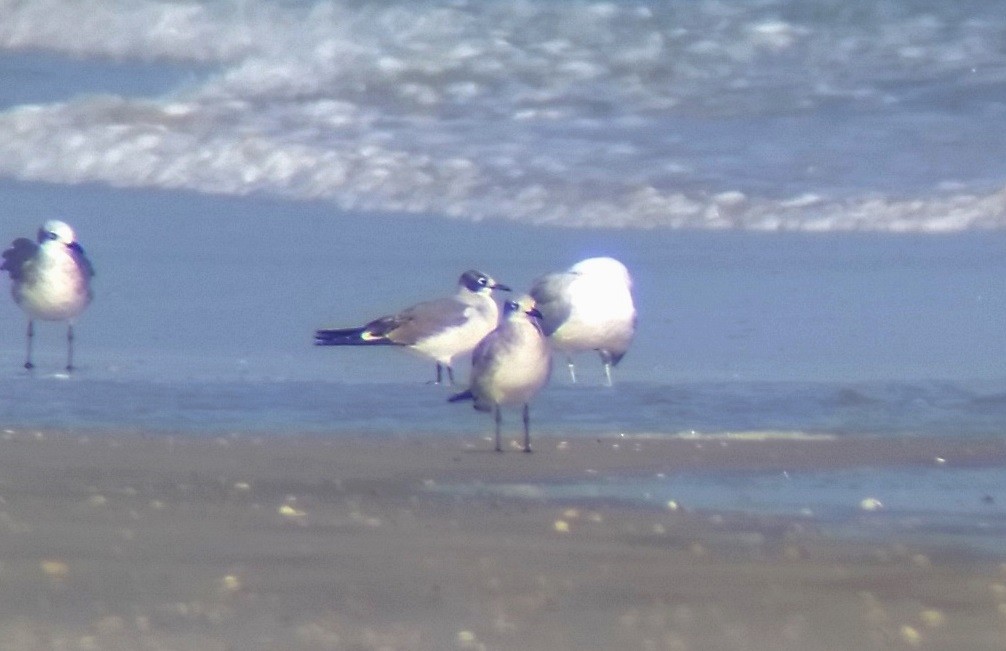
(123, 541)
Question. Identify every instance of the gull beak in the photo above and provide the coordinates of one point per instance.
(501, 287)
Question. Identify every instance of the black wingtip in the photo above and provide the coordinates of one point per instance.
(339, 337)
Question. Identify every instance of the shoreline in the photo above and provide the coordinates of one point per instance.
(124, 541)
(637, 452)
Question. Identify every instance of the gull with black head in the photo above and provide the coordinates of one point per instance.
(440, 329)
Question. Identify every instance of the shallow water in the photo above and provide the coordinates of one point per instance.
(205, 307)
(199, 287)
(283, 407)
(944, 506)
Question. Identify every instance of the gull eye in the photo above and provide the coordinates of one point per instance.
(483, 281)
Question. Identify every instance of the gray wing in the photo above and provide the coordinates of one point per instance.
(484, 353)
(484, 361)
(551, 297)
(14, 258)
(420, 321)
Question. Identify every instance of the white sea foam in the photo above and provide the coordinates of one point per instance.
(855, 115)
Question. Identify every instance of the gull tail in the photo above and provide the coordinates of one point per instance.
(612, 357)
(464, 395)
(348, 337)
(468, 395)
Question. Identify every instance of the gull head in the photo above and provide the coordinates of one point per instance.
(523, 305)
(480, 283)
(607, 268)
(57, 231)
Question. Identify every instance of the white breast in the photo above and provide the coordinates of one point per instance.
(58, 288)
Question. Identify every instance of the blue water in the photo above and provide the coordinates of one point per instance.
(329, 407)
(205, 307)
(845, 333)
(810, 199)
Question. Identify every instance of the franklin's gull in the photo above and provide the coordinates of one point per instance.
(440, 329)
(510, 365)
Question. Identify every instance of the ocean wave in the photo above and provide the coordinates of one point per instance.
(583, 114)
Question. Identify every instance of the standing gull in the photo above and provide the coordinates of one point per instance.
(51, 280)
(440, 329)
(588, 307)
(510, 365)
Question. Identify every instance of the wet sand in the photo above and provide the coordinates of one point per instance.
(126, 541)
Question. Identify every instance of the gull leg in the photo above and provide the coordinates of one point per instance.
(69, 347)
(31, 335)
(607, 359)
(440, 374)
(572, 369)
(527, 429)
(499, 419)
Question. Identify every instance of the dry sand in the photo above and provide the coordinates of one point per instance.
(124, 541)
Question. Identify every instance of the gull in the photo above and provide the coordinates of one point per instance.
(510, 365)
(51, 280)
(588, 307)
(440, 329)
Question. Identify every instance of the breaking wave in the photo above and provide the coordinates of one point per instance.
(862, 115)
